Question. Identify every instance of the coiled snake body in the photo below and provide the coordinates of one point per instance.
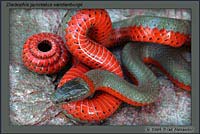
(88, 34)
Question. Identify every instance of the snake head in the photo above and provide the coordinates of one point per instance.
(73, 90)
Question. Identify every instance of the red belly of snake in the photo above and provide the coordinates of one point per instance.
(85, 34)
(94, 109)
(88, 34)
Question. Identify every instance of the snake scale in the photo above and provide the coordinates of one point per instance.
(93, 95)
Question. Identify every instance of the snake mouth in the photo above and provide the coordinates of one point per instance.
(58, 98)
(58, 102)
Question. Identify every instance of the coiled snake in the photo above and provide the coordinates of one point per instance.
(88, 36)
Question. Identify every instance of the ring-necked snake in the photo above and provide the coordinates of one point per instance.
(88, 34)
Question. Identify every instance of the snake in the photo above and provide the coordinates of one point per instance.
(45, 53)
(89, 36)
(78, 85)
(92, 110)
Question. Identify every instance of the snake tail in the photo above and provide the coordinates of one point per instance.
(45, 53)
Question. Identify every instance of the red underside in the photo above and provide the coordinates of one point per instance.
(103, 105)
(44, 62)
(102, 33)
(99, 107)
(147, 34)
